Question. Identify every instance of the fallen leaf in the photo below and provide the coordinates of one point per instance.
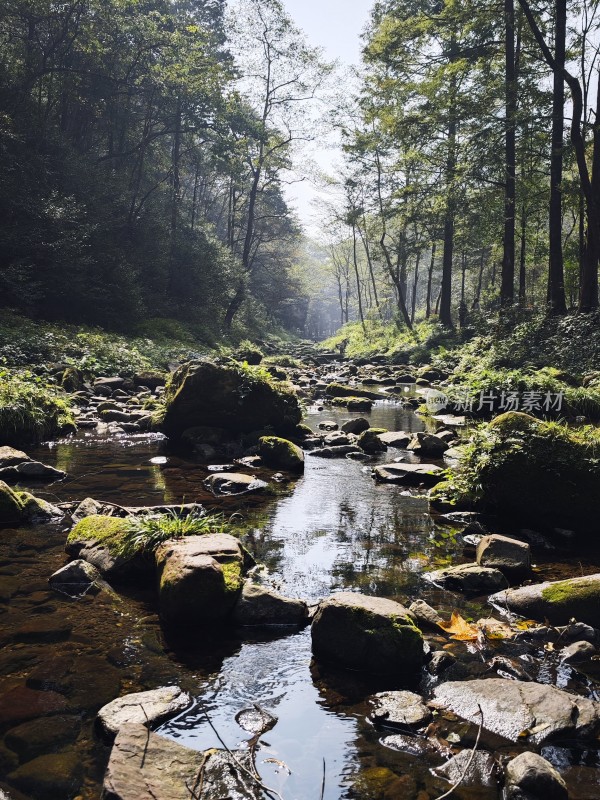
(460, 629)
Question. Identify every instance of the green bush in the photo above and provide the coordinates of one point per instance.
(31, 410)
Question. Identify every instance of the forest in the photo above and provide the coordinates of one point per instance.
(299, 400)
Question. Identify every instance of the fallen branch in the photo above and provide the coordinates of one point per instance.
(455, 786)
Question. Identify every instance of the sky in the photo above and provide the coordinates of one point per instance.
(334, 25)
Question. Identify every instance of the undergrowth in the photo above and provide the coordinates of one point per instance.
(31, 409)
(145, 534)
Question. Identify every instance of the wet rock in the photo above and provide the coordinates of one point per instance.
(578, 653)
(50, 776)
(255, 720)
(9, 457)
(555, 601)
(370, 442)
(207, 393)
(22, 703)
(410, 474)
(39, 736)
(339, 390)
(43, 628)
(341, 451)
(372, 634)
(482, 770)
(531, 777)
(277, 452)
(336, 439)
(233, 483)
(103, 542)
(35, 509)
(440, 661)
(425, 615)
(395, 439)
(411, 745)
(507, 555)
(11, 508)
(427, 444)
(469, 578)
(31, 470)
(399, 710)
(520, 712)
(142, 708)
(260, 606)
(578, 631)
(78, 578)
(146, 766)
(200, 579)
(356, 425)
(329, 425)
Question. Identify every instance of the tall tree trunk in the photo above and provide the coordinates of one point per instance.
(522, 259)
(174, 287)
(556, 276)
(507, 287)
(430, 280)
(445, 305)
(356, 273)
(415, 286)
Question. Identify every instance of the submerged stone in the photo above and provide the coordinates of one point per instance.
(399, 710)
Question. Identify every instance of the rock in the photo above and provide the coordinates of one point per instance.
(146, 766)
(341, 451)
(507, 555)
(427, 444)
(43, 628)
(72, 380)
(469, 578)
(9, 457)
(108, 385)
(200, 579)
(87, 508)
(338, 390)
(440, 660)
(39, 736)
(556, 601)
(425, 615)
(372, 634)
(103, 542)
(578, 653)
(578, 631)
(22, 703)
(411, 474)
(482, 769)
(37, 510)
(143, 708)
(370, 442)
(395, 439)
(520, 712)
(337, 439)
(412, 746)
(277, 452)
(78, 578)
(328, 425)
(260, 606)
(50, 776)
(233, 483)
(11, 508)
(152, 380)
(230, 397)
(531, 777)
(356, 425)
(399, 710)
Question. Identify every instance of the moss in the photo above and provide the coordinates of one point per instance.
(353, 403)
(34, 506)
(568, 591)
(232, 576)
(110, 532)
(340, 390)
(11, 507)
(281, 453)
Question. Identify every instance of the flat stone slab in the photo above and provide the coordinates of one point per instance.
(414, 474)
(34, 470)
(395, 439)
(399, 710)
(143, 708)
(556, 601)
(146, 766)
(531, 713)
(233, 483)
(470, 578)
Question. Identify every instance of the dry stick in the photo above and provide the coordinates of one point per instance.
(196, 791)
(266, 789)
(455, 786)
(147, 735)
(323, 782)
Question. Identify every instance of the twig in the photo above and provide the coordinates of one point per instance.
(455, 786)
(266, 789)
(147, 735)
(323, 782)
(196, 791)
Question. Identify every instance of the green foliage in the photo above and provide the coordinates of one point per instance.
(145, 534)
(401, 345)
(31, 409)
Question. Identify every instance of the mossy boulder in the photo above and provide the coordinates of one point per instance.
(72, 380)
(543, 472)
(35, 509)
(199, 579)
(237, 398)
(340, 390)
(12, 510)
(555, 601)
(370, 634)
(277, 452)
(370, 442)
(105, 542)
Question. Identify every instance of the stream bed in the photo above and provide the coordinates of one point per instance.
(334, 528)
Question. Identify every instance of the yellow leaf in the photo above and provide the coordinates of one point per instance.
(460, 629)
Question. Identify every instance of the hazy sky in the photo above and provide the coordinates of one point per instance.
(334, 25)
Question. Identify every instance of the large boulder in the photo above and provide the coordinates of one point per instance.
(277, 452)
(410, 474)
(237, 398)
(103, 541)
(531, 777)
(200, 579)
(543, 472)
(11, 508)
(370, 442)
(427, 444)
(258, 605)
(555, 601)
(469, 578)
(503, 553)
(372, 634)
(531, 713)
(146, 766)
(9, 457)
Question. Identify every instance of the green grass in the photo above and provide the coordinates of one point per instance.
(31, 409)
(145, 534)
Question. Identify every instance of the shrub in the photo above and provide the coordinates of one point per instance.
(31, 410)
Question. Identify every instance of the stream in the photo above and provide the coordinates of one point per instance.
(334, 528)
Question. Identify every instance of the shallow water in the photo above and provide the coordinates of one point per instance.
(334, 528)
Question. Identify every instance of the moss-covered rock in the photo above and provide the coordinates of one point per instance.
(277, 452)
(11, 507)
(545, 472)
(105, 542)
(371, 634)
(72, 380)
(35, 509)
(340, 390)
(353, 403)
(555, 601)
(237, 398)
(370, 442)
